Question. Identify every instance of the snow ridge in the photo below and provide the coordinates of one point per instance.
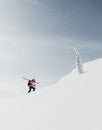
(74, 103)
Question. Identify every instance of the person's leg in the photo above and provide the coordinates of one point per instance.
(29, 90)
(33, 89)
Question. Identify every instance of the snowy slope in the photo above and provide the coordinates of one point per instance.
(74, 103)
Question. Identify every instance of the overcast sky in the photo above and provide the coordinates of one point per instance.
(37, 37)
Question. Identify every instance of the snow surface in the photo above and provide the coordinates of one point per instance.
(74, 103)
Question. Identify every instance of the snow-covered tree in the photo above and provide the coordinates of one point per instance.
(78, 62)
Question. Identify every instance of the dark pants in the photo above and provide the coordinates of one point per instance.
(30, 88)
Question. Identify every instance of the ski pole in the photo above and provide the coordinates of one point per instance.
(25, 78)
